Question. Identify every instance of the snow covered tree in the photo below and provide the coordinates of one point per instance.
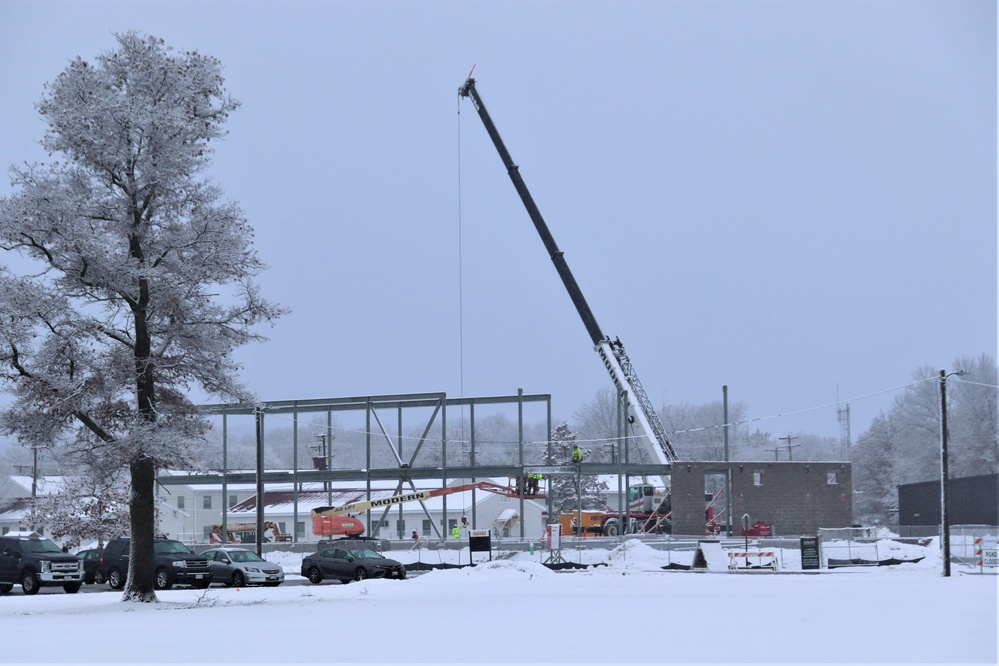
(91, 507)
(564, 495)
(902, 445)
(141, 278)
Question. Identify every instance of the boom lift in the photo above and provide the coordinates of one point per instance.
(329, 520)
(641, 414)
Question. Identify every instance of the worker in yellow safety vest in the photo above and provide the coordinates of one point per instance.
(533, 480)
(456, 532)
(577, 454)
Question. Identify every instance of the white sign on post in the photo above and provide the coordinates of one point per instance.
(990, 557)
(555, 537)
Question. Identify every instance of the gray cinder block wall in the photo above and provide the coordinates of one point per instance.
(795, 498)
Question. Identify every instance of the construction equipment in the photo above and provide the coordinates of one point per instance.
(642, 415)
(418, 495)
(246, 532)
(652, 510)
(336, 520)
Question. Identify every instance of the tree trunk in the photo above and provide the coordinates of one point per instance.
(140, 585)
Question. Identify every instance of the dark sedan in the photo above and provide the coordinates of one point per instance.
(91, 558)
(347, 564)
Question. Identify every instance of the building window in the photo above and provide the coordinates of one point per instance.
(300, 530)
(505, 500)
(180, 502)
(831, 479)
(400, 527)
(427, 526)
(758, 477)
(206, 502)
(207, 533)
(233, 501)
(383, 523)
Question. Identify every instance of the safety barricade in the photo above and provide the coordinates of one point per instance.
(987, 553)
(752, 560)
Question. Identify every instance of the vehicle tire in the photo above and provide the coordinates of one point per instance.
(314, 575)
(238, 580)
(162, 580)
(116, 580)
(99, 578)
(6, 587)
(611, 528)
(29, 582)
(71, 588)
(360, 573)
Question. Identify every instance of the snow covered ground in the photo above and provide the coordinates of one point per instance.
(515, 610)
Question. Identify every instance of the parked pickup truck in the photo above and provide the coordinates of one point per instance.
(35, 562)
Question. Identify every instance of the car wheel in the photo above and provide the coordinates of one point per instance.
(314, 575)
(162, 580)
(99, 578)
(238, 580)
(29, 582)
(6, 587)
(71, 588)
(360, 573)
(115, 579)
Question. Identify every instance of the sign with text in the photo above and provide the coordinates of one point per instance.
(810, 553)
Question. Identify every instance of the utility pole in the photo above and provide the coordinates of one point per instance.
(788, 439)
(728, 468)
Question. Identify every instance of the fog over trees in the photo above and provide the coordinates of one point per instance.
(902, 445)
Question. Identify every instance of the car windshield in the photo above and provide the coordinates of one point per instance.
(39, 546)
(365, 554)
(244, 556)
(170, 547)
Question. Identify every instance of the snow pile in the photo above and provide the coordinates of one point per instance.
(512, 569)
(634, 555)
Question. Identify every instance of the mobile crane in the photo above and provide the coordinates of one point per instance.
(641, 414)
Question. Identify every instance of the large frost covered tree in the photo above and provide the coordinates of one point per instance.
(142, 283)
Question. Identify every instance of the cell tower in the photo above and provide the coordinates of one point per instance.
(843, 416)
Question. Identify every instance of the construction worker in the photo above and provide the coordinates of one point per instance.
(456, 532)
(577, 454)
(533, 480)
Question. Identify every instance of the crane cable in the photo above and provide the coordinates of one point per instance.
(461, 311)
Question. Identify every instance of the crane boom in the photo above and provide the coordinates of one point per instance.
(641, 413)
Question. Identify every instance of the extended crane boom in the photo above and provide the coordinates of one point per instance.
(641, 413)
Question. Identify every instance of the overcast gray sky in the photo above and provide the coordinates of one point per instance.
(790, 198)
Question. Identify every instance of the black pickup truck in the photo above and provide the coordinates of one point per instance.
(35, 562)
